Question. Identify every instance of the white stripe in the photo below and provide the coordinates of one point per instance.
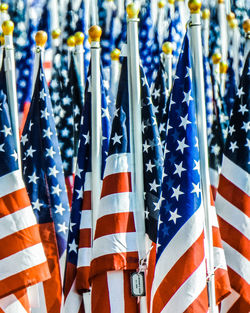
(213, 216)
(86, 219)
(41, 308)
(232, 215)
(219, 258)
(62, 263)
(115, 243)
(11, 182)
(227, 303)
(236, 175)
(191, 231)
(214, 177)
(118, 163)
(116, 291)
(115, 203)
(84, 257)
(87, 182)
(237, 262)
(73, 301)
(188, 291)
(11, 304)
(22, 261)
(87, 301)
(17, 221)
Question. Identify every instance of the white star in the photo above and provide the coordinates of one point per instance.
(246, 126)
(14, 155)
(6, 131)
(30, 152)
(179, 169)
(47, 133)
(45, 113)
(215, 149)
(24, 139)
(87, 138)
(233, 146)
(106, 113)
(146, 214)
(197, 166)
(36, 205)
(1, 148)
(187, 97)
(189, 72)
(247, 144)
(59, 209)
(231, 130)
(149, 166)
(156, 93)
(243, 109)
(184, 121)
(154, 186)
(146, 146)
(144, 81)
(78, 171)
(80, 193)
(177, 192)
(116, 139)
(240, 92)
(66, 100)
(174, 216)
(182, 145)
(62, 228)
(56, 190)
(50, 152)
(71, 225)
(53, 171)
(42, 94)
(105, 84)
(196, 189)
(73, 246)
(33, 178)
(30, 125)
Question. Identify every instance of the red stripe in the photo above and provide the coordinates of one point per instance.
(216, 237)
(130, 303)
(69, 186)
(81, 309)
(222, 284)
(14, 202)
(18, 241)
(82, 279)
(234, 195)
(86, 205)
(23, 298)
(200, 304)
(239, 284)
(70, 275)
(100, 295)
(179, 273)
(115, 261)
(150, 274)
(47, 64)
(234, 238)
(240, 306)
(116, 183)
(114, 224)
(85, 238)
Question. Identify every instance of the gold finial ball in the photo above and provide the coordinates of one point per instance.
(221, 1)
(95, 33)
(246, 26)
(79, 38)
(4, 7)
(171, 1)
(233, 23)
(132, 10)
(56, 33)
(216, 57)
(205, 14)
(115, 54)
(230, 16)
(223, 67)
(161, 4)
(8, 27)
(167, 47)
(2, 39)
(71, 42)
(194, 6)
(41, 38)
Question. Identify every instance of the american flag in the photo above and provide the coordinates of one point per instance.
(80, 234)
(22, 259)
(232, 201)
(44, 179)
(180, 272)
(115, 245)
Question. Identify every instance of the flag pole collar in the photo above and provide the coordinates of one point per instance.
(8, 28)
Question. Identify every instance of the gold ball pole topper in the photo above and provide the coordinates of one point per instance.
(41, 38)
(161, 4)
(171, 1)
(71, 42)
(56, 33)
(233, 23)
(95, 33)
(167, 47)
(115, 54)
(223, 67)
(221, 1)
(4, 7)
(246, 26)
(230, 16)
(205, 14)
(79, 38)
(8, 28)
(194, 6)
(133, 10)
(216, 57)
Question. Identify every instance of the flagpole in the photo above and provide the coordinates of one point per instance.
(160, 22)
(136, 138)
(223, 76)
(195, 33)
(171, 8)
(79, 38)
(206, 22)
(71, 43)
(115, 71)
(216, 58)
(41, 39)
(10, 72)
(1, 50)
(246, 27)
(167, 49)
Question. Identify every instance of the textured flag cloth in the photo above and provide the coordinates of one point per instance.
(233, 202)
(44, 179)
(180, 272)
(22, 259)
(80, 233)
(115, 241)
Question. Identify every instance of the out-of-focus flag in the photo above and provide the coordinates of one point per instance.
(232, 201)
(180, 272)
(115, 252)
(22, 259)
(80, 232)
(44, 179)
(231, 85)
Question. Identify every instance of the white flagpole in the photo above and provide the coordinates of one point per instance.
(171, 8)
(196, 47)
(4, 16)
(184, 14)
(246, 27)
(10, 72)
(115, 71)
(167, 56)
(135, 131)
(223, 76)
(160, 21)
(79, 38)
(41, 39)
(206, 22)
(71, 43)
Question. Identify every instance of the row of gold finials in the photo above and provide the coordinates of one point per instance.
(95, 31)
